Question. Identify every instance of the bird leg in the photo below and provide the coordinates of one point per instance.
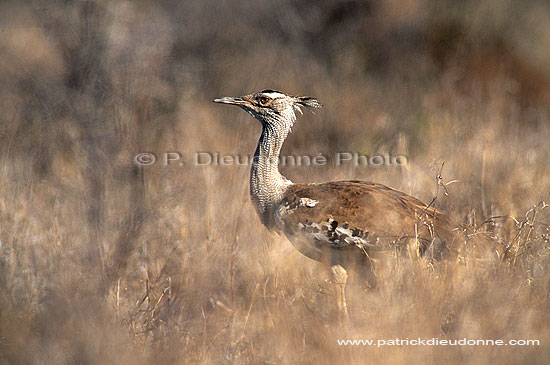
(340, 277)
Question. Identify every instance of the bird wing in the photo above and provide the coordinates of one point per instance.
(357, 214)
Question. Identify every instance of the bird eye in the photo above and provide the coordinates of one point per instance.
(263, 100)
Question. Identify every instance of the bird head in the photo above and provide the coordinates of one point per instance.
(270, 107)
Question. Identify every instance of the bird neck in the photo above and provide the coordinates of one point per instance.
(267, 185)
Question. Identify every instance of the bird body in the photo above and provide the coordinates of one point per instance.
(367, 218)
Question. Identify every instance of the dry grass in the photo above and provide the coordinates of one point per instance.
(102, 261)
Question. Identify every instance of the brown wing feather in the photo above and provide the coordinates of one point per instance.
(370, 216)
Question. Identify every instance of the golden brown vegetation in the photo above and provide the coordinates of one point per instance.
(104, 261)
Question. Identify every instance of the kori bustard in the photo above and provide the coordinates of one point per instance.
(342, 223)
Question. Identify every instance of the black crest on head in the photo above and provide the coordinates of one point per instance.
(308, 102)
(271, 91)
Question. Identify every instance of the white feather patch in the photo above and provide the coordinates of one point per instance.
(274, 95)
(307, 202)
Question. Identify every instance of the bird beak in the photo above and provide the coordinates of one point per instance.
(230, 100)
